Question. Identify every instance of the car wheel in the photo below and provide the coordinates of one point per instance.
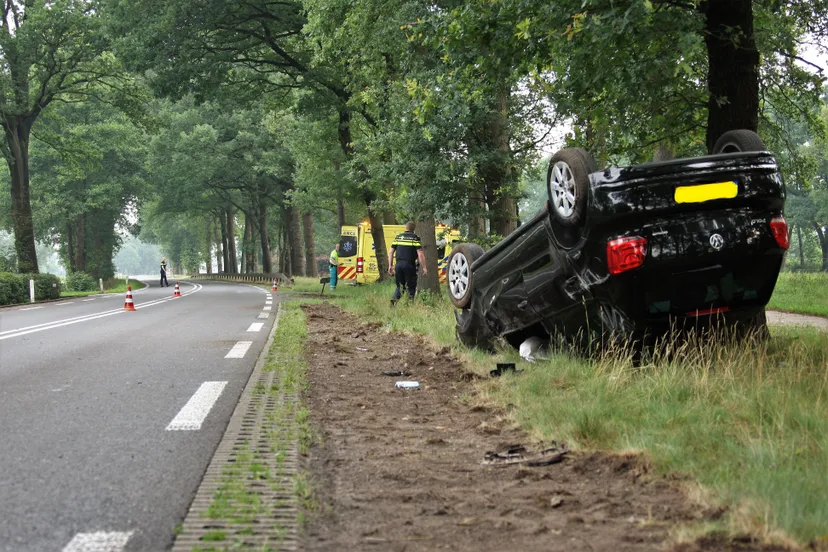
(567, 183)
(735, 141)
(459, 278)
(471, 329)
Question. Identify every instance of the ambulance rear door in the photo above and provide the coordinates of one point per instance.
(347, 253)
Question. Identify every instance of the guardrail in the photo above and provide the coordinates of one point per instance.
(251, 278)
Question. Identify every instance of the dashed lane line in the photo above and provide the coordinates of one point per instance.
(198, 407)
(264, 315)
(99, 541)
(32, 308)
(255, 326)
(239, 349)
(267, 307)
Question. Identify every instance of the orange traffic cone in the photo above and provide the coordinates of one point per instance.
(128, 304)
(177, 291)
(275, 285)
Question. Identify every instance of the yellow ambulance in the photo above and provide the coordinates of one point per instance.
(358, 257)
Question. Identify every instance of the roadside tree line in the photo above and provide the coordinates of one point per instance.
(238, 133)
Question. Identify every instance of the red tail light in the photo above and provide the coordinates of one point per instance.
(780, 231)
(359, 265)
(625, 254)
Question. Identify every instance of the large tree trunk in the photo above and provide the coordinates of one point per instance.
(801, 251)
(217, 233)
(232, 254)
(297, 259)
(249, 254)
(340, 214)
(17, 130)
(70, 247)
(733, 74)
(80, 243)
(431, 281)
(498, 173)
(264, 239)
(310, 244)
(208, 238)
(822, 235)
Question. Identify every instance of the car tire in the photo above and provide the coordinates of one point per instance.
(735, 141)
(471, 329)
(567, 185)
(459, 278)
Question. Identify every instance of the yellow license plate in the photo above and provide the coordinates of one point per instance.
(706, 192)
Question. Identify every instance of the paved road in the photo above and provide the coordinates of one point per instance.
(109, 418)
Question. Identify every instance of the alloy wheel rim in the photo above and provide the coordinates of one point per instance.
(562, 189)
(458, 276)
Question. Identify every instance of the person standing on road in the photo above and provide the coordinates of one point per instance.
(164, 272)
(333, 266)
(408, 249)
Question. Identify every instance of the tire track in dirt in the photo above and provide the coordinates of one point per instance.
(401, 469)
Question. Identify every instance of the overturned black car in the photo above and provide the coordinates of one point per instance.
(634, 252)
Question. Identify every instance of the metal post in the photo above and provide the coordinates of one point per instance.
(31, 290)
(100, 281)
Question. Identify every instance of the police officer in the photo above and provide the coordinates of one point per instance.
(164, 272)
(409, 249)
(333, 266)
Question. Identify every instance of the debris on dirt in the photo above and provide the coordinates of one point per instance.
(361, 349)
(408, 384)
(405, 473)
(502, 368)
(519, 454)
(397, 374)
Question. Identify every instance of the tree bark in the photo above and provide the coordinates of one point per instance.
(80, 243)
(801, 252)
(340, 214)
(310, 245)
(431, 281)
(217, 234)
(498, 174)
(297, 259)
(264, 240)
(17, 131)
(232, 254)
(733, 74)
(822, 235)
(378, 233)
(249, 247)
(224, 245)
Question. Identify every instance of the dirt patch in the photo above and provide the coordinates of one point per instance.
(402, 469)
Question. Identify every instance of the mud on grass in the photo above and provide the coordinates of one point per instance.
(401, 469)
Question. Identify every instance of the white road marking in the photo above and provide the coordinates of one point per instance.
(100, 541)
(192, 415)
(7, 334)
(264, 315)
(32, 308)
(269, 296)
(87, 300)
(255, 326)
(62, 304)
(268, 302)
(239, 349)
(267, 307)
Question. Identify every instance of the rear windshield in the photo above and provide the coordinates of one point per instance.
(347, 246)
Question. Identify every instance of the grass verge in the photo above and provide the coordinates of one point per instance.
(801, 292)
(112, 285)
(748, 423)
(239, 506)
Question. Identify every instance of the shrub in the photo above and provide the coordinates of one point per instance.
(47, 286)
(80, 281)
(13, 289)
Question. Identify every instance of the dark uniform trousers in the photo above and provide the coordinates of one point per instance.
(406, 275)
